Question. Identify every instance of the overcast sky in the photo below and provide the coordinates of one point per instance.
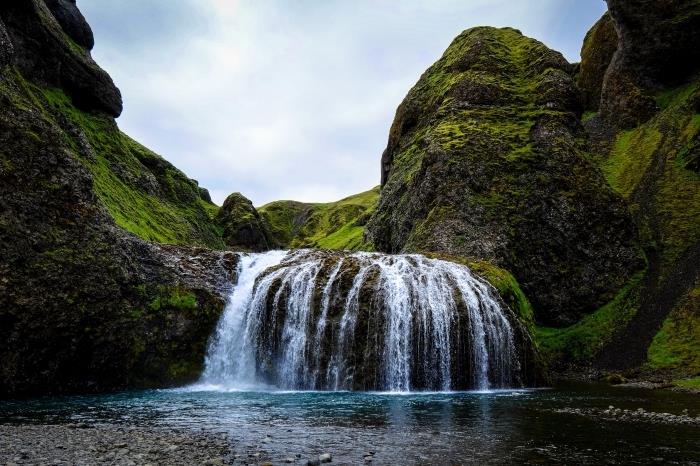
(284, 99)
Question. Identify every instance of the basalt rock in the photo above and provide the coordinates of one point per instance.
(659, 45)
(487, 159)
(243, 226)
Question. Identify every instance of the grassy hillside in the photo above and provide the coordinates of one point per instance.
(144, 193)
(332, 225)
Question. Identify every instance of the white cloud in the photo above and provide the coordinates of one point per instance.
(283, 99)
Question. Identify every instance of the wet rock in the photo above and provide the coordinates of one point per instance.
(325, 458)
(56, 444)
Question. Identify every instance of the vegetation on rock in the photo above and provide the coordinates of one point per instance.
(650, 160)
(333, 225)
(242, 226)
(486, 159)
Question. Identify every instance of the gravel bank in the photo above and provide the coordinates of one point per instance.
(82, 445)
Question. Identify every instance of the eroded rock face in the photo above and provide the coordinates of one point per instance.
(42, 53)
(243, 226)
(486, 159)
(659, 45)
(598, 49)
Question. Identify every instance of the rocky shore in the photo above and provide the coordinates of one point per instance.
(81, 444)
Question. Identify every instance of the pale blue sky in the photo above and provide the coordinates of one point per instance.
(291, 99)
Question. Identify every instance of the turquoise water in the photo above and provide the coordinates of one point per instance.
(535, 426)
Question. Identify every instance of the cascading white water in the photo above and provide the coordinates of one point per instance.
(320, 320)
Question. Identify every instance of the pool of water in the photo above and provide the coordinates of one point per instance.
(551, 426)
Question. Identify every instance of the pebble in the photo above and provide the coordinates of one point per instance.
(104, 444)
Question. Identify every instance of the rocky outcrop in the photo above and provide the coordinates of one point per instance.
(55, 52)
(658, 46)
(599, 47)
(486, 159)
(242, 226)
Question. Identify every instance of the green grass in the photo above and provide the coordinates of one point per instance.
(630, 158)
(692, 383)
(333, 225)
(581, 342)
(144, 194)
(677, 345)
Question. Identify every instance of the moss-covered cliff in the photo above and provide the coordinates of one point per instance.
(85, 305)
(333, 225)
(487, 159)
(650, 159)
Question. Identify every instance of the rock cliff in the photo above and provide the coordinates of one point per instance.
(487, 159)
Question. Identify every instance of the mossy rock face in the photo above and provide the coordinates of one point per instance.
(242, 226)
(676, 348)
(650, 328)
(333, 225)
(598, 49)
(659, 47)
(487, 159)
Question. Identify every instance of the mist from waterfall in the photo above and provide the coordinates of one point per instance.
(314, 320)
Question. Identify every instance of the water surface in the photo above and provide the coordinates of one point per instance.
(534, 426)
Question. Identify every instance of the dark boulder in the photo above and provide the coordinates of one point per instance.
(6, 48)
(243, 226)
(659, 45)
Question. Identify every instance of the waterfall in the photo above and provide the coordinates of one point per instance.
(362, 321)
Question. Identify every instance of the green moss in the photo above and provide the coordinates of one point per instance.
(333, 225)
(588, 116)
(692, 383)
(144, 194)
(677, 345)
(581, 342)
(175, 298)
(630, 158)
(653, 159)
(508, 288)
